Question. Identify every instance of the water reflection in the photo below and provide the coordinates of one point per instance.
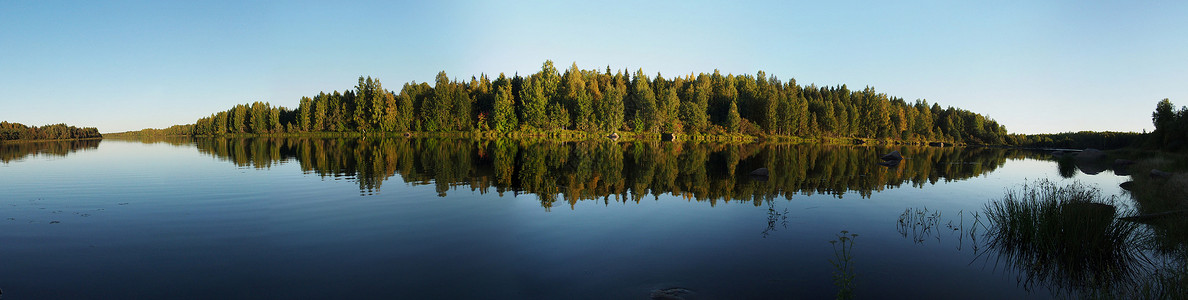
(1066, 238)
(843, 264)
(604, 170)
(171, 140)
(15, 151)
(1063, 238)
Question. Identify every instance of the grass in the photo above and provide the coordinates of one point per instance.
(1065, 238)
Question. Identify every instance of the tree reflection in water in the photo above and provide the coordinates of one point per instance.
(605, 170)
(17, 150)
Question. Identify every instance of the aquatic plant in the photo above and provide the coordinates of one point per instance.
(920, 223)
(843, 257)
(774, 217)
(1064, 237)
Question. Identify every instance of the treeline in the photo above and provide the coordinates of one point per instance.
(1081, 140)
(604, 170)
(174, 130)
(593, 101)
(1171, 127)
(18, 131)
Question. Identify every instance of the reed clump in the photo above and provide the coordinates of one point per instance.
(1064, 237)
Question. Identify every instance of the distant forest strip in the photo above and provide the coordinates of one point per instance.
(175, 130)
(18, 131)
(602, 102)
(1083, 139)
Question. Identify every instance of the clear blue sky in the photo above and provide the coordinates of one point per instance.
(1034, 66)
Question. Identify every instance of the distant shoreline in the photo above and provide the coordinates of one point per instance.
(568, 136)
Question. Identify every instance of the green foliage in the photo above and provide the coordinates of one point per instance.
(1065, 237)
(504, 115)
(641, 106)
(1077, 140)
(733, 120)
(18, 131)
(534, 112)
(589, 101)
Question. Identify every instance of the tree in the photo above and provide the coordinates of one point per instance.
(504, 112)
(303, 121)
(534, 113)
(437, 109)
(733, 120)
(319, 112)
(589, 100)
(668, 108)
(612, 106)
(642, 107)
(461, 109)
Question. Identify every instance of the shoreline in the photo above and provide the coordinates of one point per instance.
(580, 136)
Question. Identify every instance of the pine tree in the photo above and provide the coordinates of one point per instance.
(733, 120)
(504, 112)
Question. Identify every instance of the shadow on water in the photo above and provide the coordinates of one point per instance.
(604, 170)
(16, 151)
(1066, 165)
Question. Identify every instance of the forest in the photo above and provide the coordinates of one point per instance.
(18, 131)
(698, 105)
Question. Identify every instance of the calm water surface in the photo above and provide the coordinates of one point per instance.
(463, 219)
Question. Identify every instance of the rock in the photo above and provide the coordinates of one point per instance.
(1090, 167)
(1090, 154)
(1127, 185)
(894, 155)
(407, 134)
(1156, 173)
(759, 172)
(1059, 153)
(1122, 167)
(859, 142)
(674, 293)
(936, 144)
(889, 163)
(613, 136)
(668, 137)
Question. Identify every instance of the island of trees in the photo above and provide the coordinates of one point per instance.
(18, 131)
(590, 101)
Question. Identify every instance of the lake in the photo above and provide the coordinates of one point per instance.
(429, 218)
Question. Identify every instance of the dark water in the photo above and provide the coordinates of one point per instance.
(465, 219)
